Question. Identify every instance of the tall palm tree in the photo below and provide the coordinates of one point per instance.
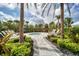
(62, 19)
(21, 28)
(61, 16)
(21, 40)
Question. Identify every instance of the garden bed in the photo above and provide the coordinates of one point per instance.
(67, 46)
(14, 48)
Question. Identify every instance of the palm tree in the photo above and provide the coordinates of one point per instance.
(58, 23)
(21, 28)
(27, 22)
(62, 19)
(16, 21)
(68, 22)
(21, 40)
(61, 16)
(52, 26)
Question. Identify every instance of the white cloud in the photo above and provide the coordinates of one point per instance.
(6, 16)
(57, 12)
(11, 5)
(76, 23)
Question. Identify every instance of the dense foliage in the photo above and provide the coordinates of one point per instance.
(14, 25)
(70, 41)
(18, 49)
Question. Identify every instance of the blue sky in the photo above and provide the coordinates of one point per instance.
(11, 11)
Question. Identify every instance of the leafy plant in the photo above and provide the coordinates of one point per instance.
(18, 49)
(73, 47)
(21, 50)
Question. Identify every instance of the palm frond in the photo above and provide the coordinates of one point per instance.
(27, 5)
(54, 10)
(44, 9)
(68, 8)
(49, 9)
(43, 4)
(35, 4)
(30, 4)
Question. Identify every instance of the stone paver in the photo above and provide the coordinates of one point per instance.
(42, 47)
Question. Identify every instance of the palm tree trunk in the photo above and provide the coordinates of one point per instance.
(58, 24)
(62, 20)
(21, 40)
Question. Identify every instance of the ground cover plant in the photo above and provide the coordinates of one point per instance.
(14, 48)
(70, 40)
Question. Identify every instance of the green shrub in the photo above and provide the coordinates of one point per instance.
(49, 36)
(73, 47)
(14, 40)
(75, 29)
(54, 39)
(17, 49)
(28, 39)
(60, 42)
(21, 50)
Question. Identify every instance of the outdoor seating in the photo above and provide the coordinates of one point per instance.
(53, 32)
(4, 33)
(4, 37)
(1, 35)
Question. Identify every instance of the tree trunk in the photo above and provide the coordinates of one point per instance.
(21, 40)
(58, 25)
(62, 20)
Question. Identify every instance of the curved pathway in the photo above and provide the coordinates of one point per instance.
(42, 47)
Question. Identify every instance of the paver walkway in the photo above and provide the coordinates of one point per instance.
(42, 47)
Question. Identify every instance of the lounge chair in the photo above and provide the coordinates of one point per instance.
(1, 35)
(53, 32)
(4, 33)
(5, 37)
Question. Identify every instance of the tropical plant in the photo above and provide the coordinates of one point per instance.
(68, 22)
(61, 16)
(21, 28)
(52, 26)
